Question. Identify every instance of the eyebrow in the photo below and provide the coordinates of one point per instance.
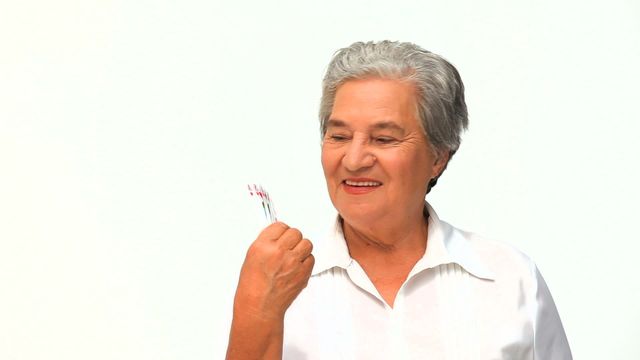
(385, 124)
(336, 123)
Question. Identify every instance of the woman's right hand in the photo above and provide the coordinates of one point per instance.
(276, 269)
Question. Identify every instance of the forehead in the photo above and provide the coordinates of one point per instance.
(371, 101)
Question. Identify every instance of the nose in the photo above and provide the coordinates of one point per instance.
(358, 156)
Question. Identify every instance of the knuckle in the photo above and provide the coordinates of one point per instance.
(311, 261)
(291, 263)
(308, 244)
(280, 225)
(262, 249)
(276, 252)
(295, 232)
(273, 230)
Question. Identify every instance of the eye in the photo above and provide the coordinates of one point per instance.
(384, 140)
(337, 137)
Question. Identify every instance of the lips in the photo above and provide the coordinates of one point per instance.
(362, 183)
(358, 186)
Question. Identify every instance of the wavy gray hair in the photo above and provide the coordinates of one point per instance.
(440, 92)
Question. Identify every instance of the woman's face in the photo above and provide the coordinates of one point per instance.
(376, 158)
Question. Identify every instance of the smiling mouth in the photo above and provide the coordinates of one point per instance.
(360, 186)
(362, 183)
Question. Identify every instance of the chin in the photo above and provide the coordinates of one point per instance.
(360, 213)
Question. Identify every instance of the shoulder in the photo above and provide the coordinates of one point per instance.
(503, 260)
(517, 294)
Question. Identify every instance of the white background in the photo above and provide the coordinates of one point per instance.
(129, 130)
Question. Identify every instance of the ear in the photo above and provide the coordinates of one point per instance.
(440, 163)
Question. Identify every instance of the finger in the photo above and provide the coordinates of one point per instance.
(289, 239)
(308, 263)
(273, 231)
(303, 249)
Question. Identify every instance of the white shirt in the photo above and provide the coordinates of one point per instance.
(466, 298)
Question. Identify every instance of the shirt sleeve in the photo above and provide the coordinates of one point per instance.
(550, 341)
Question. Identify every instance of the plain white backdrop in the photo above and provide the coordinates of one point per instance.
(129, 130)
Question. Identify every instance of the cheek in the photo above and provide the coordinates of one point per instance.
(413, 169)
(327, 158)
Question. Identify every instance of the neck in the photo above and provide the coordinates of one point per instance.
(387, 240)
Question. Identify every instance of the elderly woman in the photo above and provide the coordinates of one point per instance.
(392, 281)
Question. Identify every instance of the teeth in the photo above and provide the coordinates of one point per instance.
(362, 183)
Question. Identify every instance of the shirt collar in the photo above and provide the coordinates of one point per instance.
(333, 251)
(445, 245)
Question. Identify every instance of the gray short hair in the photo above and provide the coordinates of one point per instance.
(441, 107)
